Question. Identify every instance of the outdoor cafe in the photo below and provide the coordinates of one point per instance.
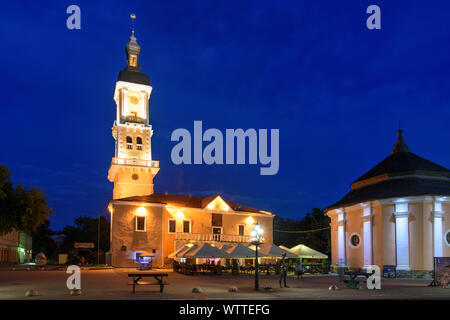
(207, 258)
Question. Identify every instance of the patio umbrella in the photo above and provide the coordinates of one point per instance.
(205, 250)
(181, 251)
(302, 251)
(273, 251)
(240, 251)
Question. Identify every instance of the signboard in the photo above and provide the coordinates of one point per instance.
(389, 271)
(442, 265)
(84, 245)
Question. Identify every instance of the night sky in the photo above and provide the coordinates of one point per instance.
(312, 69)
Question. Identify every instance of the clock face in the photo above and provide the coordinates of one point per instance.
(134, 100)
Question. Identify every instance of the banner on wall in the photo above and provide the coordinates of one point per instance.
(442, 270)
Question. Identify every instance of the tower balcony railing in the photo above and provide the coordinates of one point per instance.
(136, 162)
(189, 236)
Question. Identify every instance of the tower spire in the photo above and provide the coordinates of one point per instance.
(400, 145)
(132, 16)
(400, 131)
(132, 48)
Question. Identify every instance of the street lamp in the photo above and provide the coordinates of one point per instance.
(256, 240)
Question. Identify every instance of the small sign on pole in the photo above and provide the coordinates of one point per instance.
(84, 245)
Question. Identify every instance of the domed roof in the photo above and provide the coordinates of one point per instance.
(401, 174)
(134, 75)
(132, 72)
(401, 161)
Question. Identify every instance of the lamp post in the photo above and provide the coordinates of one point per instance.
(256, 240)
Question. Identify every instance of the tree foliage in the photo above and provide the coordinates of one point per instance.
(319, 240)
(21, 209)
(43, 242)
(85, 229)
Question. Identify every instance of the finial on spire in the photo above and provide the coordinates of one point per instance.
(400, 131)
(132, 16)
(400, 145)
(132, 47)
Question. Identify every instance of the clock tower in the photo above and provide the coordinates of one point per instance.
(132, 169)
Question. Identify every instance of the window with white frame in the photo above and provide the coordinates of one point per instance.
(217, 230)
(187, 226)
(129, 143)
(139, 143)
(241, 228)
(141, 223)
(172, 225)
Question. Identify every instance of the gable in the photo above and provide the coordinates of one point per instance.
(217, 204)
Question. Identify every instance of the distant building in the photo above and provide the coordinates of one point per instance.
(398, 213)
(15, 247)
(157, 224)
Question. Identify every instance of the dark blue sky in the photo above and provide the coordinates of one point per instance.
(335, 89)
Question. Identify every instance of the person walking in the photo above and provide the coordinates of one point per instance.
(299, 269)
(283, 270)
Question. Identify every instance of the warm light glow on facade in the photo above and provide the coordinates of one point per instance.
(250, 220)
(141, 211)
(180, 215)
(218, 204)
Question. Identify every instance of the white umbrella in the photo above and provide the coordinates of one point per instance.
(205, 250)
(181, 251)
(240, 251)
(273, 251)
(302, 251)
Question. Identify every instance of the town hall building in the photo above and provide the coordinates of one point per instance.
(397, 214)
(155, 225)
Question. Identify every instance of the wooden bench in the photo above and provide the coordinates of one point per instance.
(136, 277)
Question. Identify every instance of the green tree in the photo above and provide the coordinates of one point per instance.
(319, 240)
(5, 182)
(43, 242)
(21, 209)
(85, 229)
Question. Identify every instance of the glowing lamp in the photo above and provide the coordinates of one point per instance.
(250, 220)
(179, 215)
(141, 211)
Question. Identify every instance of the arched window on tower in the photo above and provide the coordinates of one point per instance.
(139, 143)
(129, 143)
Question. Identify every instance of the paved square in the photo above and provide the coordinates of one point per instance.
(113, 284)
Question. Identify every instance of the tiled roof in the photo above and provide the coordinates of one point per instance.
(186, 201)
